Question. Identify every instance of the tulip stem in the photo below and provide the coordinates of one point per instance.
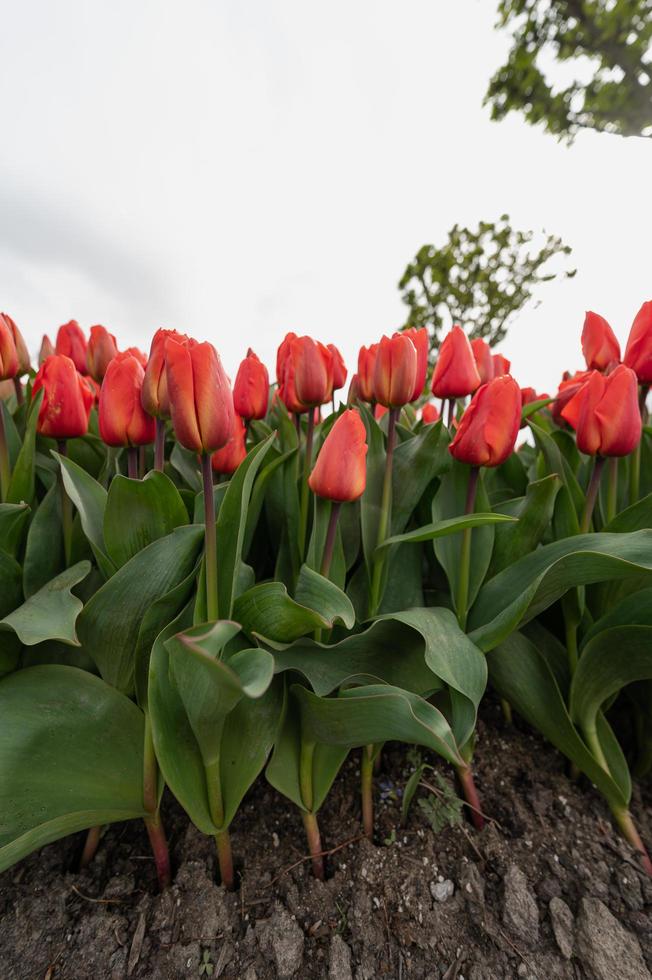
(18, 388)
(623, 818)
(465, 551)
(66, 507)
(90, 846)
(313, 837)
(451, 411)
(159, 445)
(5, 465)
(467, 782)
(210, 550)
(612, 488)
(384, 522)
(216, 807)
(132, 462)
(336, 506)
(305, 495)
(153, 824)
(306, 762)
(366, 787)
(592, 494)
(635, 458)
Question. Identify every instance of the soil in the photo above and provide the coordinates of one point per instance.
(547, 890)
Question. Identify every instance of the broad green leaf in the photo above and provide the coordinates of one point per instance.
(138, 512)
(12, 524)
(534, 513)
(80, 741)
(110, 622)
(417, 461)
(186, 465)
(403, 580)
(44, 554)
(259, 493)
(11, 585)
(21, 487)
(89, 497)
(51, 613)
(557, 463)
(317, 592)
(371, 498)
(633, 609)
(453, 525)
(634, 518)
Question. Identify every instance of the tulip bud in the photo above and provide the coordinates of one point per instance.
(420, 340)
(139, 354)
(605, 413)
(569, 385)
(47, 349)
(487, 431)
(313, 371)
(102, 348)
(67, 399)
(251, 388)
(599, 344)
(529, 395)
(155, 389)
(455, 372)
(21, 347)
(72, 342)
(340, 473)
(638, 353)
(395, 371)
(354, 391)
(123, 420)
(8, 352)
(501, 365)
(227, 459)
(365, 374)
(339, 368)
(282, 355)
(429, 414)
(287, 391)
(483, 359)
(200, 396)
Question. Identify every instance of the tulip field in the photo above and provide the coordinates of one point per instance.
(207, 582)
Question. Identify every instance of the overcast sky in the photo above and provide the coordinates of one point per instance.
(239, 168)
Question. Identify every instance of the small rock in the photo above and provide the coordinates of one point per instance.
(339, 960)
(562, 921)
(520, 912)
(281, 939)
(120, 886)
(605, 946)
(630, 890)
(441, 891)
(472, 885)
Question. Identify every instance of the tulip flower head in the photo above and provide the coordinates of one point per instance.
(67, 399)
(599, 344)
(365, 374)
(72, 342)
(339, 368)
(638, 353)
(483, 359)
(251, 388)
(456, 374)
(395, 371)
(313, 371)
(282, 354)
(123, 420)
(605, 414)
(46, 349)
(429, 414)
(227, 459)
(102, 348)
(487, 431)
(340, 473)
(19, 342)
(421, 344)
(8, 352)
(155, 387)
(502, 364)
(201, 403)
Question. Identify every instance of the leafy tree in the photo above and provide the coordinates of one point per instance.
(608, 41)
(479, 279)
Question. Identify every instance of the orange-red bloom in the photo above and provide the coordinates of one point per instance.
(339, 368)
(47, 349)
(487, 431)
(365, 374)
(456, 374)
(429, 414)
(72, 342)
(599, 344)
(569, 385)
(340, 472)
(638, 353)
(251, 388)
(102, 348)
(420, 340)
(605, 413)
(8, 352)
(313, 371)
(123, 420)
(67, 399)
(282, 355)
(155, 388)
(483, 359)
(502, 365)
(200, 396)
(21, 347)
(395, 371)
(227, 459)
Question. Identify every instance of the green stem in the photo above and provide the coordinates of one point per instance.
(593, 742)
(305, 489)
(465, 776)
(210, 549)
(314, 844)
(612, 488)
(132, 462)
(225, 859)
(465, 551)
(452, 403)
(624, 820)
(366, 786)
(385, 515)
(592, 494)
(18, 388)
(66, 507)
(306, 758)
(153, 824)
(5, 465)
(507, 711)
(90, 846)
(159, 445)
(222, 837)
(327, 557)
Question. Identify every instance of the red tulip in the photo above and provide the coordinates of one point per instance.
(483, 359)
(421, 344)
(47, 349)
(395, 371)
(529, 395)
(19, 342)
(605, 413)
(599, 344)
(568, 387)
(339, 368)
(139, 354)
(251, 388)
(487, 431)
(287, 391)
(282, 354)
(638, 353)
(92, 386)
(200, 396)
(429, 414)
(455, 372)
(227, 459)
(354, 391)
(379, 411)
(501, 365)
(102, 348)
(155, 388)
(8, 352)
(72, 342)
(123, 420)
(313, 371)
(365, 375)
(340, 472)
(67, 399)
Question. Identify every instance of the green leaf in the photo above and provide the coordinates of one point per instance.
(417, 462)
(80, 741)
(187, 466)
(44, 554)
(453, 525)
(110, 622)
(317, 592)
(139, 512)
(557, 463)
(89, 497)
(21, 487)
(51, 613)
(534, 513)
(12, 524)
(634, 518)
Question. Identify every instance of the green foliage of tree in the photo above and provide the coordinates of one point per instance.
(479, 279)
(616, 38)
